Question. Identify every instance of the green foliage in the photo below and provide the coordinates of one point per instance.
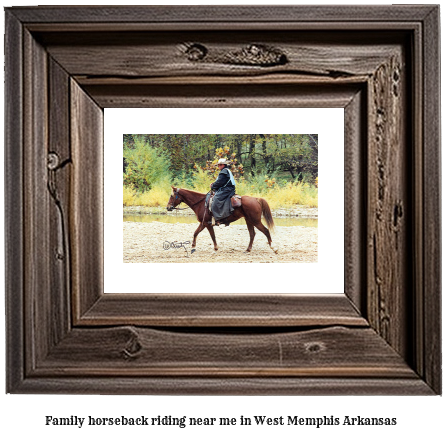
(183, 179)
(296, 154)
(260, 183)
(283, 168)
(201, 180)
(145, 165)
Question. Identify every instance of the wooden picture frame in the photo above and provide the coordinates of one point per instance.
(65, 64)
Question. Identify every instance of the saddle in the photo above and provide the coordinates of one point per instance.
(235, 201)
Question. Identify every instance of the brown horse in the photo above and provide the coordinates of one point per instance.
(251, 209)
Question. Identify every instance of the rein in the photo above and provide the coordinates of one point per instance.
(181, 200)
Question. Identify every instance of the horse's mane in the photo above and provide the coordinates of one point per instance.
(192, 191)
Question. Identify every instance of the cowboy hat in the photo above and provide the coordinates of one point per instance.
(224, 161)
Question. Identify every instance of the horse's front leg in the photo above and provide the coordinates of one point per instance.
(196, 233)
(211, 232)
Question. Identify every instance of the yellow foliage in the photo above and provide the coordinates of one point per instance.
(129, 196)
(282, 196)
(202, 181)
(156, 197)
(277, 196)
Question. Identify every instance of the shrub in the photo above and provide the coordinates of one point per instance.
(146, 166)
(129, 196)
(156, 197)
(292, 194)
(201, 181)
(277, 195)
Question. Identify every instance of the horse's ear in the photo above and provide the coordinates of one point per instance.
(173, 188)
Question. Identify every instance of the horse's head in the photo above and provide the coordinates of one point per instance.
(174, 199)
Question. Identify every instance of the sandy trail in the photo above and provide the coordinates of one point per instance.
(145, 242)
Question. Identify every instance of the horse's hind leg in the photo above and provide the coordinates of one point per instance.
(251, 235)
(266, 232)
(211, 232)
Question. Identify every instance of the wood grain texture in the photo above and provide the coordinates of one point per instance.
(355, 195)
(239, 310)
(169, 55)
(417, 357)
(432, 334)
(14, 239)
(288, 386)
(384, 340)
(59, 165)
(129, 351)
(37, 306)
(86, 197)
(227, 14)
(388, 204)
(226, 96)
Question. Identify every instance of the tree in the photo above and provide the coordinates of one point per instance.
(211, 166)
(294, 153)
(128, 140)
(144, 165)
(252, 152)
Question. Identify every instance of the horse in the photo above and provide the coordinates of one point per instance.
(251, 209)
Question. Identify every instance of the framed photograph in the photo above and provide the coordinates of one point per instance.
(378, 331)
(153, 237)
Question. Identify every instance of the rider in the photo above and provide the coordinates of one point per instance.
(224, 187)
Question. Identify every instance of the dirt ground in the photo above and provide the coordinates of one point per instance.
(147, 243)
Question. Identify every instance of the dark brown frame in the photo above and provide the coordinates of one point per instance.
(64, 65)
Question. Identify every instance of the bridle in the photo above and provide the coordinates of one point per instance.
(181, 200)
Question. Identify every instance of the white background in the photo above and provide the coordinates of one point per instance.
(328, 123)
(24, 414)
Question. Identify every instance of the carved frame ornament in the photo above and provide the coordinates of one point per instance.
(64, 65)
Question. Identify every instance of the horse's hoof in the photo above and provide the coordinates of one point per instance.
(193, 251)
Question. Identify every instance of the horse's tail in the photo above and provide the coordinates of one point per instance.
(266, 212)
